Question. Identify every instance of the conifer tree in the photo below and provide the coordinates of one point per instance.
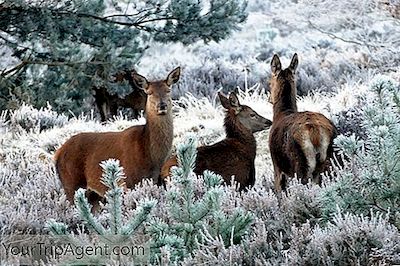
(115, 233)
(189, 215)
(64, 48)
(371, 176)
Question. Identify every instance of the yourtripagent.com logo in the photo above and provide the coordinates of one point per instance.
(31, 249)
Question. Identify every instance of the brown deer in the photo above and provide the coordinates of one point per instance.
(142, 150)
(233, 156)
(108, 104)
(300, 142)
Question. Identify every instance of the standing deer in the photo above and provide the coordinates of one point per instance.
(142, 150)
(108, 104)
(235, 155)
(300, 142)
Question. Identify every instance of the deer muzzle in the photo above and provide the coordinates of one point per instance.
(162, 108)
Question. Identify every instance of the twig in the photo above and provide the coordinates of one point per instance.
(14, 69)
(334, 36)
(54, 63)
(131, 24)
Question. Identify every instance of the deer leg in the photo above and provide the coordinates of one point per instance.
(70, 182)
(279, 183)
(156, 176)
(306, 161)
(113, 110)
(105, 112)
(94, 199)
(320, 168)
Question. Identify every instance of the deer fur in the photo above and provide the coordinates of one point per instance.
(108, 104)
(233, 156)
(300, 142)
(142, 150)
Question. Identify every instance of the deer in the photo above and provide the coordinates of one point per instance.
(108, 104)
(234, 155)
(300, 143)
(141, 149)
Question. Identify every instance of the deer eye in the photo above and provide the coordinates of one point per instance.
(252, 115)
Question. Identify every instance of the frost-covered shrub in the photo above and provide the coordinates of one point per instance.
(29, 118)
(210, 76)
(393, 6)
(301, 229)
(347, 240)
(319, 72)
(3, 121)
(349, 122)
(371, 176)
(258, 5)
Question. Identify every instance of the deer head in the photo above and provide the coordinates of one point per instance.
(158, 92)
(244, 114)
(281, 77)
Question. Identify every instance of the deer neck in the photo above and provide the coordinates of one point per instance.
(234, 129)
(159, 134)
(286, 100)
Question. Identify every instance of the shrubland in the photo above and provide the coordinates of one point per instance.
(350, 74)
(353, 218)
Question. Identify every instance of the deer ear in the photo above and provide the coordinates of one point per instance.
(276, 65)
(173, 77)
(224, 101)
(294, 63)
(234, 102)
(140, 81)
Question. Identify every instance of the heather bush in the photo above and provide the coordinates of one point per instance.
(306, 228)
(212, 75)
(29, 118)
(349, 122)
(347, 240)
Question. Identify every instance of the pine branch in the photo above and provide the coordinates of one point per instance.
(84, 211)
(57, 228)
(140, 216)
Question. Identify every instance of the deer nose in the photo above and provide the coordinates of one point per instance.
(162, 106)
(268, 123)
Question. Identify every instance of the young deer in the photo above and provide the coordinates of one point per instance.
(142, 150)
(108, 104)
(233, 156)
(300, 142)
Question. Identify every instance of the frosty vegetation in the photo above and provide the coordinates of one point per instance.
(348, 70)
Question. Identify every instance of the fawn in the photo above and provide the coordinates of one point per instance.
(235, 155)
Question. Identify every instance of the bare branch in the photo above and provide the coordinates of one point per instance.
(14, 69)
(130, 24)
(53, 63)
(334, 36)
